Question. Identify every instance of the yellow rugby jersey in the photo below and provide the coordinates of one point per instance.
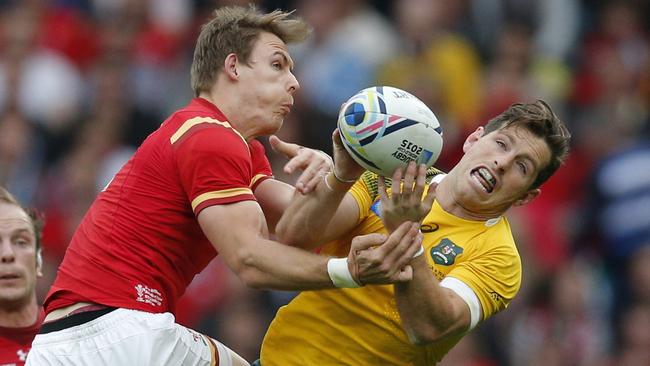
(362, 326)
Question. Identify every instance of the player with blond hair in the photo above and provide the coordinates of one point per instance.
(198, 186)
(20, 266)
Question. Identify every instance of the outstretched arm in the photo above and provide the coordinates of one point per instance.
(274, 196)
(327, 212)
(238, 232)
(429, 312)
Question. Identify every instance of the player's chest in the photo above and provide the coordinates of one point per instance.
(445, 247)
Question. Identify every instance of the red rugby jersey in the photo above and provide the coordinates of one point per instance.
(140, 244)
(16, 342)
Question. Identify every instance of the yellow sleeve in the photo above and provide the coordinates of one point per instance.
(366, 190)
(362, 191)
(495, 277)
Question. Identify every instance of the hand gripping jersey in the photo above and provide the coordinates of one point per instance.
(362, 326)
(15, 343)
(140, 244)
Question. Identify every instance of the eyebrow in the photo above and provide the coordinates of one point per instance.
(512, 141)
(286, 58)
(22, 231)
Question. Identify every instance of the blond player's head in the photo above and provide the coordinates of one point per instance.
(234, 30)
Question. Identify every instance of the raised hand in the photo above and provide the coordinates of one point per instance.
(377, 259)
(345, 168)
(313, 163)
(406, 202)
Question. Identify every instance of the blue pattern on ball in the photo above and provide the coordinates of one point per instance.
(354, 114)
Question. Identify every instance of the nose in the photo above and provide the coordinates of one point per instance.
(294, 85)
(501, 164)
(7, 254)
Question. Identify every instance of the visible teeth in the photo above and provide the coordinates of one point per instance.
(488, 177)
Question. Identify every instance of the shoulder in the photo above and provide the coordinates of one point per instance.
(370, 181)
(188, 126)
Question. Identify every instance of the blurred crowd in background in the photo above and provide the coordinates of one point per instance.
(83, 82)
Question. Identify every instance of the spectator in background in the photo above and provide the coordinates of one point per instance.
(634, 329)
(20, 266)
(21, 155)
(350, 40)
(437, 65)
(565, 322)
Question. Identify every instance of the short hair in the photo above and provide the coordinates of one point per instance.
(234, 29)
(35, 217)
(541, 121)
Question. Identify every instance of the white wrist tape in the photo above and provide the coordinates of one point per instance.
(340, 274)
(419, 252)
(327, 184)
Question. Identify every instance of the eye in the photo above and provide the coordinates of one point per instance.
(22, 242)
(277, 65)
(522, 167)
(501, 144)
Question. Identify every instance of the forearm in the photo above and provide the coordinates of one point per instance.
(429, 312)
(305, 221)
(238, 233)
(266, 264)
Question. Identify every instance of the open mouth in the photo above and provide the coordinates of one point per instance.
(483, 176)
(9, 277)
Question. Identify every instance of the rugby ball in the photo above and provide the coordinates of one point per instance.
(384, 128)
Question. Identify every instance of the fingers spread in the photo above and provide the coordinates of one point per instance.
(420, 181)
(381, 188)
(430, 197)
(396, 185)
(297, 162)
(289, 150)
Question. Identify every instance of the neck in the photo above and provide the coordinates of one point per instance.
(452, 202)
(231, 110)
(19, 316)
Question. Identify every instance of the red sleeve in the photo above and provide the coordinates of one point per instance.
(260, 164)
(214, 165)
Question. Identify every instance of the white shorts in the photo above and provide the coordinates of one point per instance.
(128, 337)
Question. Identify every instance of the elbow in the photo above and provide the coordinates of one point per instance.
(425, 336)
(251, 279)
(422, 338)
(294, 238)
(284, 234)
(246, 269)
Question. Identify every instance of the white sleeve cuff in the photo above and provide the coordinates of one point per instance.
(438, 178)
(467, 294)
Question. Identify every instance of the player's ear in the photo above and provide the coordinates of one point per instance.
(39, 263)
(472, 138)
(527, 197)
(230, 65)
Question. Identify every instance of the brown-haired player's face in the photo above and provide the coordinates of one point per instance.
(268, 83)
(18, 269)
(498, 169)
